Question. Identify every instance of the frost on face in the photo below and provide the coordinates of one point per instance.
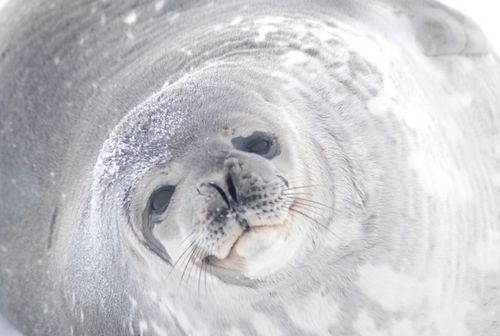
(140, 141)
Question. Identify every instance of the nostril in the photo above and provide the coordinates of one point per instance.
(284, 180)
(221, 192)
(231, 188)
(209, 259)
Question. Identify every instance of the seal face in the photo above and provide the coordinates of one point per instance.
(224, 200)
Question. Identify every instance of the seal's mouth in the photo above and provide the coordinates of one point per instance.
(252, 243)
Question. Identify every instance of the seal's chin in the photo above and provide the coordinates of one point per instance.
(260, 251)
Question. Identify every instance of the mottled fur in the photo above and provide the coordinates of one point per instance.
(388, 110)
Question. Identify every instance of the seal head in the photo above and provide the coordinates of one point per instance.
(224, 182)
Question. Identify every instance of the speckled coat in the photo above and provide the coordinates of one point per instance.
(401, 97)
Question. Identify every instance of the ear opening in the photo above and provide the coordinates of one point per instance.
(443, 31)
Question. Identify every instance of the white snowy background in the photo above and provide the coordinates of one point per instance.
(483, 12)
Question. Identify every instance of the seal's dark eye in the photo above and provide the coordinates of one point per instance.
(161, 198)
(259, 146)
(260, 143)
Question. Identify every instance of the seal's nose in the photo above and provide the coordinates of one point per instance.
(226, 185)
(230, 187)
(233, 178)
(221, 192)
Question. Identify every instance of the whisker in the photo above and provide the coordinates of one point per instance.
(188, 236)
(202, 267)
(303, 186)
(182, 242)
(314, 202)
(184, 252)
(291, 201)
(308, 207)
(202, 261)
(315, 221)
(211, 272)
(296, 193)
(179, 258)
(205, 264)
(193, 263)
(187, 263)
(209, 269)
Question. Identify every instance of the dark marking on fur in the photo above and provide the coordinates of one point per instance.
(51, 228)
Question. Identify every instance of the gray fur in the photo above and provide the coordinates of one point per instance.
(98, 109)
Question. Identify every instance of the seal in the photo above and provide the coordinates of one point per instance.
(215, 168)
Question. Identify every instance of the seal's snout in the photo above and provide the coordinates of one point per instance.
(221, 192)
(228, 192)
(241, 197)
(227, 184)
(244, 191)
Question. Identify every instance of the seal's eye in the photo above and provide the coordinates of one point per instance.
(161, 198)
(259, 146)
(260, 143)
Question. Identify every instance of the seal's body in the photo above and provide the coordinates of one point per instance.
(212, 168)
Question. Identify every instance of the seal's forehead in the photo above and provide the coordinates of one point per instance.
(146, 137)
(163, 127)
(217, 99)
